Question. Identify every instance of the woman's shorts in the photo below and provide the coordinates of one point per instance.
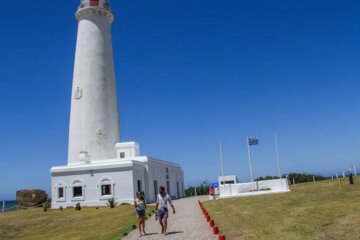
(140, 213)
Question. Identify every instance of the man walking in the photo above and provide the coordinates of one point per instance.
(162, 211)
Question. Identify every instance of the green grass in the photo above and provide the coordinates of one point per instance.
(310, 211)
(89, 223)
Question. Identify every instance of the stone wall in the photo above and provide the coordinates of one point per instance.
(30, 198)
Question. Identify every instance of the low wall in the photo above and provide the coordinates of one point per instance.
(275, 185)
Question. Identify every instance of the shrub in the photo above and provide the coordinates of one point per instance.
(45, 206)
(78, 207)
(111, 202)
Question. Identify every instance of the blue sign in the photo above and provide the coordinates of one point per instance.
(215, 184)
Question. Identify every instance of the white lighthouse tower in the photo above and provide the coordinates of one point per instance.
(99, 166)
(94, 118)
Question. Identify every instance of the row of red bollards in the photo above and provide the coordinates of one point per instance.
(211, 222)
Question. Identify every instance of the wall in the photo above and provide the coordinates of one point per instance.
(157, 171)
(275, 185)
(94, 119)
(123, 180)
(120, 179)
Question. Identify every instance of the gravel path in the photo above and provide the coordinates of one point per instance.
(188, 223)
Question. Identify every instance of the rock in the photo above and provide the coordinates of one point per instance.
(31, 198)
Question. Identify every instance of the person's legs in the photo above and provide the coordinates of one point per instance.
(143, 225)
(162, 224)
(165, 225)
(139, 225)
(161, 218)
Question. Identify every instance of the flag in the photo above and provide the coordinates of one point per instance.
(253, 141)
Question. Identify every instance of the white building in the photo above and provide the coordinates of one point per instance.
(100, 167)
(230, 179)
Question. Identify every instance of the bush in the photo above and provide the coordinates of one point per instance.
(266, 178)
(111, 203)
(78, 207)
(304, 177)
(45, 206)
(201, 190)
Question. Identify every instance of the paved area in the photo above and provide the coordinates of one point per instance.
(188, 223)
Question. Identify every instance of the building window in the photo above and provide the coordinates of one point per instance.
(155, 189)
(139, 185)
(105, 189)
(122, 155)
(167, 170)
(60, 192)
(77, 192)
(168, 187)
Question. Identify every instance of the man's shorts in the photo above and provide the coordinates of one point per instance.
(163, 213)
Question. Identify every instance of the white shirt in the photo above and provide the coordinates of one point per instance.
(162, 201)
(140, 204)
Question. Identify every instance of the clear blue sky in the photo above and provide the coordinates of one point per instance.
(190, 73)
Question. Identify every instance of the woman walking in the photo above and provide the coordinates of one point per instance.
(140, 206)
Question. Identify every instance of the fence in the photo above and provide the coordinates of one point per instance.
(16, 207)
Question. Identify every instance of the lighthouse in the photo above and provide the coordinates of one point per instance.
(94, 118)
(99, 166)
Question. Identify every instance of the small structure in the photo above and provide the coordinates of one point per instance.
(254, 188)
(92, 184)
(31, 198)
(230, 179)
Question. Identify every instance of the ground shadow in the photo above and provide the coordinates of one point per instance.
(149, 234)
(170, 233)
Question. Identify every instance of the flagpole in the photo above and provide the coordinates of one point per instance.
(355, 170)
(277, 156)
(222, 164)
(248, 145)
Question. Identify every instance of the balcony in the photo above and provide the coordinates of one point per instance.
(95, 3)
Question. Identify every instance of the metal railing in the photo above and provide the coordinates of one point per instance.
(95, 3)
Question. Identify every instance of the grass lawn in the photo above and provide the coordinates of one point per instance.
(310, 211)
(89, 223)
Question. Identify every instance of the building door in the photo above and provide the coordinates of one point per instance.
(155, 189)
(139, 185)
(178, 189)
(182, 189)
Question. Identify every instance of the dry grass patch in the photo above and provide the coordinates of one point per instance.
(89, 223)
(310, 211)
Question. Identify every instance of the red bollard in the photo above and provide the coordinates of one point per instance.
(221, 237)
(208, 218)
(211, 223)
(215, 230)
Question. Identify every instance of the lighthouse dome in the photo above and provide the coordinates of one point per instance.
(95, 4)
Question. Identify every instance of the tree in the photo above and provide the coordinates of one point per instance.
(203, 189)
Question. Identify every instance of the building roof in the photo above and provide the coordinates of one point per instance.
(109, 164)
